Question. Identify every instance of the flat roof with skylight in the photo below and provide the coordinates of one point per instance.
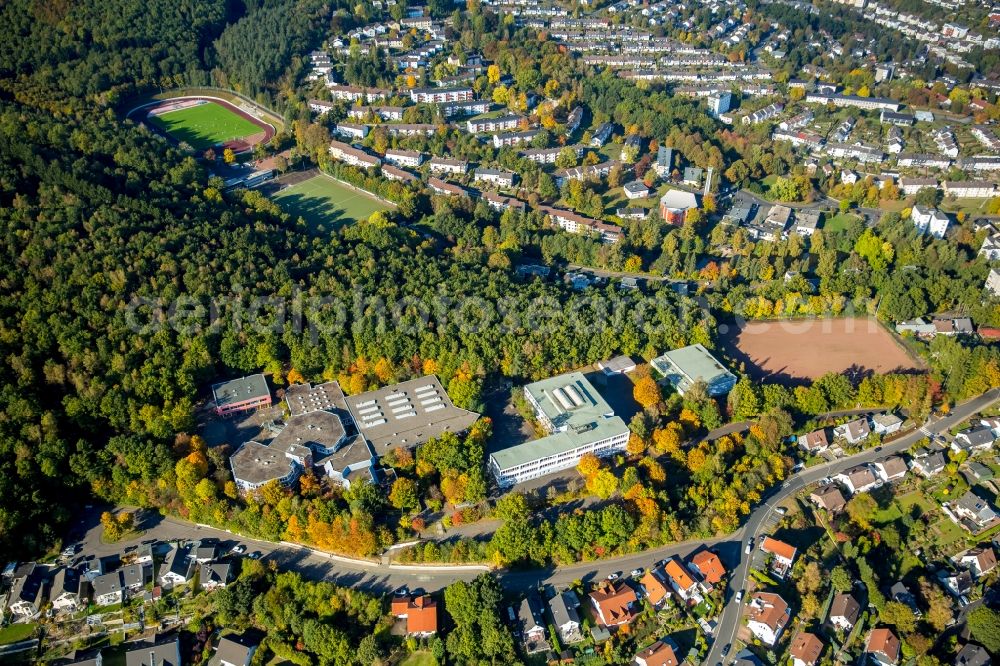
(688, 365)
(407, 414)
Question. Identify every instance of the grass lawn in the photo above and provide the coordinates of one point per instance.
(915, 498)
(322, 200)
(421, 658)
(838, 222)
(887, 515)
(893, 206)
(971, 207)
(204, 126)
(946, 533)
(16, 632)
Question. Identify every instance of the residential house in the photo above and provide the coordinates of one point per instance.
(782, 555)
(134, 578)
(446, 165)
(216, 575)
(886, 424)
(708, 565)
(828, 497)
(636, 190)
(902, 594)
(65, 591)
(420, 613)
(682, 581)
(930, 220)
(564, 608)
(814, 442)
(807, 221)
(910, 186)
(494, 176)
(958, 584)
(844, 612)
(205, 551)
(601, 135)
(973, 440)
(27, 591)
(882, 647)
(979, 560)
(927, 463)
(531, 625)
(613, 603)
(404, 158)
(890, 469)
(445, 188)
(659, 653)
(654, 586)
(109, 589)
(177, 567)
(854, 432)
(972, 655)
(767, 618)
(858, 479)
(976, 510)
(156, 653)
(805, 649)
(234, 650)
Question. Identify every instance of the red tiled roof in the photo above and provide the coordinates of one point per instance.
(658, 654)
(779, 548)
(806, 647)
(709, 565)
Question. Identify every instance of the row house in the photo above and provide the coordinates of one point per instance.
(501, 203)
(595, 171)
(575, 223)
(498, 124)
(768, 112)
(354, 156)
(441, 95)
(980, 163)
(391, 172)
(389, 113)
(868, 103)
(923, 160)
(411, 129)
(910, 186)
(447, 165)
(444, 188)
(970, 189)
(494, 177)
(514, 138)
(410, 158)
(465, 108)
(355, 93)
(865, 154)
(549, 155)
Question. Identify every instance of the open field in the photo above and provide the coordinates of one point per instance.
(793, 351)
(322, 200)
(419, 659)
(205, 123)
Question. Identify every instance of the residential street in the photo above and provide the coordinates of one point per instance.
(380, 577)
(759, 519)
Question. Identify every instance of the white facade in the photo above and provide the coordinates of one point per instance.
(930, 221)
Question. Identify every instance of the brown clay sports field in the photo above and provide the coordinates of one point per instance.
(795, 351)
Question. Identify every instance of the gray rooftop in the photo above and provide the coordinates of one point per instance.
(407, 414)
(577, 412)
(693, 363)
(303, 398)
(166, 653)
(356, 451)
(316, 430)
(239, 390)
(255, 463)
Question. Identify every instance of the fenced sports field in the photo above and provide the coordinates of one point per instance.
(203, 123)
(321, 200)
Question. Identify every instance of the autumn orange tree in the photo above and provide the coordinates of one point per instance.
(647, 392)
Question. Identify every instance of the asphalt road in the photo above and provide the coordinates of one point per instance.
(759, 520)
(379, 577)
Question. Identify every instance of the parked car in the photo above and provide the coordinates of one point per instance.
(613, 576)
(739, 597)
(726, 649)
(238, 549)
(782, 510)
(638, 572)
(749, 548)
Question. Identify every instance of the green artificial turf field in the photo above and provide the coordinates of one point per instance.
(322, 200)
(205, 125)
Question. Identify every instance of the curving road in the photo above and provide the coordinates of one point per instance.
(759, 518)
(380, 577)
